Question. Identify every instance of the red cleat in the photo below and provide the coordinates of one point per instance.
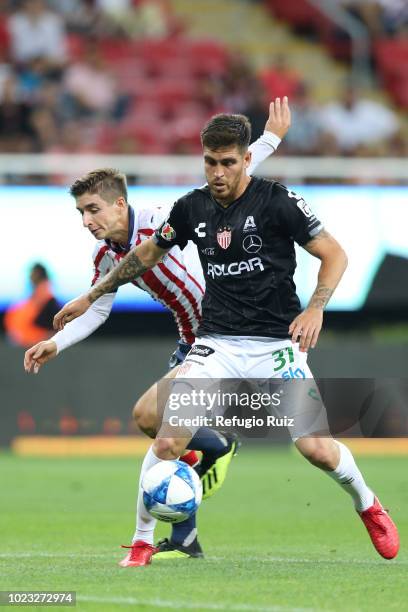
(381, 529)
(191, 458)
(141, 553)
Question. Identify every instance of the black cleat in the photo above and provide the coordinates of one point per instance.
(167, 550)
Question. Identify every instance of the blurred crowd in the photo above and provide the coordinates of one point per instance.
(121, 76)
(381, 17)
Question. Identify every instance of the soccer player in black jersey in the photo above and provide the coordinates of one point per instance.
(252, 325)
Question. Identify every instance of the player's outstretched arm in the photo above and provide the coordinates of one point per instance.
(76, 331)
(308, 324)
(39, 354)
(276, 127)
(136, 263)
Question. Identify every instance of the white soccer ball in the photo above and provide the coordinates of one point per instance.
(172, 491)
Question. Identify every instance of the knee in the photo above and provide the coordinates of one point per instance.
(168, 448)
(144, 419)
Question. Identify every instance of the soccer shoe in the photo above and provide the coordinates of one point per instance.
(191, 458)
(167, 550)
(140, 554)
(381, 529)
(214, 473)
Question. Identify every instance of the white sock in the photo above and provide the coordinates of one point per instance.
(351, 480)
(145, 523)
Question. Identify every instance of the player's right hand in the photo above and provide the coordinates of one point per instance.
(71, 310)
(279, 117)
(39, 354)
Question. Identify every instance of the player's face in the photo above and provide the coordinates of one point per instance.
(105, 220)
(225, 170)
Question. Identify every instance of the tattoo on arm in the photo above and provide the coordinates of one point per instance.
(128, 269)
(320, 297)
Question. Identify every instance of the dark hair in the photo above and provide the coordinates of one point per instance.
(40, 269)
(107, 182)
(225, 131)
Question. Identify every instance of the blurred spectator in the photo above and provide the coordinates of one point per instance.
(30, 321)
(355, 122)
(240, 83)
(256, 111)
(4, 31)
(90, 88)
(32, 78)
(45, 129)
(37, 32)
(15, 129)
(154, 16)
(140, 18)
(368, 11)
(304, 136)
(280, 80)
(71, 139)
(86, 18)
(379, 16)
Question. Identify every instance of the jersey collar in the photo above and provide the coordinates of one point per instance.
(119, 248)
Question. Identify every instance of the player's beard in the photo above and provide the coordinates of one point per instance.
(229, 194)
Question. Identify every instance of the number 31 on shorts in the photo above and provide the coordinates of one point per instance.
(281, 357)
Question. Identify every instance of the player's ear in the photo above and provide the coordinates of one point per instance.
(247, 159)
(121, 202)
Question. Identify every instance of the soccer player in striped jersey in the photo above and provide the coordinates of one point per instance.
(178, 283)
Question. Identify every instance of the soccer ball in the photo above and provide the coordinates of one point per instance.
(172, 491)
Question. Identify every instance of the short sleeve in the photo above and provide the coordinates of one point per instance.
(296, 218)
(174, 230)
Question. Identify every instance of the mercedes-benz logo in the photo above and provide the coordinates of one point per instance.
(252, 243)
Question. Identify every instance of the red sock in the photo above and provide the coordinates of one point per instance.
(190, 457)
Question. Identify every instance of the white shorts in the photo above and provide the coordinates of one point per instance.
(217, 365)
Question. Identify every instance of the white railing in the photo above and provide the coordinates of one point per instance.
(189, 170)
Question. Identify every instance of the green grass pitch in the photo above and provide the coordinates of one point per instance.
(279, 536)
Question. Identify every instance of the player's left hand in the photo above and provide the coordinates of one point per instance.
(71, 310)
(307, 327)
(279, 117)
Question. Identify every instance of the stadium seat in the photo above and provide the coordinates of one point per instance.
(392, 61)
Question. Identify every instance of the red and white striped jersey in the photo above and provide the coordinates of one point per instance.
(177, 281)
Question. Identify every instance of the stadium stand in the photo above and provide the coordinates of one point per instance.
(141, 76)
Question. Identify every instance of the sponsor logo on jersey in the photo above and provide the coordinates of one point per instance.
(168, 233)
(208, 251)
(224, 237)
(249, 224)
(235, 268)
(201, 350)
(199, 230)
(252, 243)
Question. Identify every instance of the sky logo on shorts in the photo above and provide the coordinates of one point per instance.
(168, 233)
(291, 373)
